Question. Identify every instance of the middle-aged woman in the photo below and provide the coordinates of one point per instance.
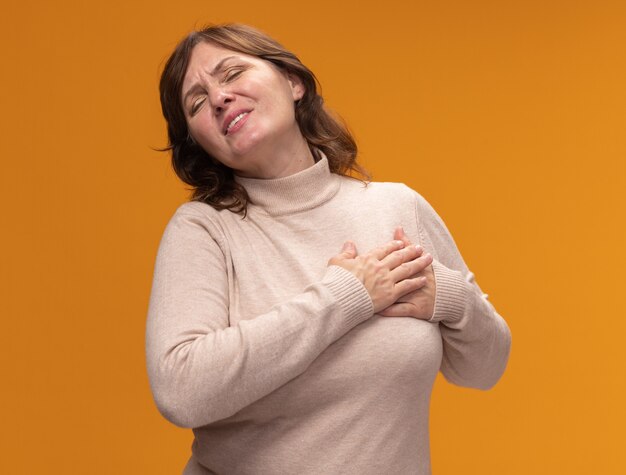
(299, 316)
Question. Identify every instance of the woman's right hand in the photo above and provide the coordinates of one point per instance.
(386, 270)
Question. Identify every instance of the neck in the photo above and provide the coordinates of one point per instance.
(294, 193)
(280, 160)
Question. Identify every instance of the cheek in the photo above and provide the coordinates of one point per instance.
(203, 132)
(281, 106)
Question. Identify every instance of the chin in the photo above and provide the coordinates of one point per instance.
(247, 144)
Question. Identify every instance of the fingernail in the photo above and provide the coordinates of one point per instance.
(398, 243)
(418, 247)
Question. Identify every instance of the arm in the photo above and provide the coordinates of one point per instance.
(476, 340)
(200, 369)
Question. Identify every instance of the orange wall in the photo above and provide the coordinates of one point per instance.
(509, 117)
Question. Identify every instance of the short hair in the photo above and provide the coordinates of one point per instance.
(213, 182)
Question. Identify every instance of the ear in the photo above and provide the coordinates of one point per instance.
(297, 86)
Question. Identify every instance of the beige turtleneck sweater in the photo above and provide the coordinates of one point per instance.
(277, 362)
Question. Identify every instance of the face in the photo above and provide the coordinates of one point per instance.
(239, 108)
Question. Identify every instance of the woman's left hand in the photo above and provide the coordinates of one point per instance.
(419, 303)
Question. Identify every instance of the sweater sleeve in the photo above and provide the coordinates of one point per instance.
(202, 370)
(476, 339)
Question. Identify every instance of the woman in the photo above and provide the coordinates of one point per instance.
(286, 348)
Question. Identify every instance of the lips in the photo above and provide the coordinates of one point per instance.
(233, 119)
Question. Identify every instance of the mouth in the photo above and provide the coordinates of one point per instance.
(235, 122)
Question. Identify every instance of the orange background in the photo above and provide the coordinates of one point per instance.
(509, 117)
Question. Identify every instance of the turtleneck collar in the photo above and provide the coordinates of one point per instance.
(294, 193)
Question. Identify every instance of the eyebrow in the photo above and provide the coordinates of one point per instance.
(197, 86)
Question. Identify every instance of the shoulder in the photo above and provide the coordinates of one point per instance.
(195, 218)
(205, 212)
(395, 193)
(379, 190)
(195, 208)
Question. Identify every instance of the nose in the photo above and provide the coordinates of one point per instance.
(220, 99)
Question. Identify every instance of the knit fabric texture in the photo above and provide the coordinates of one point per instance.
(276, 360)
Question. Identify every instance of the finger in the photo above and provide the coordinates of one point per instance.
(401, 256)
(411, 268)
(397, 310)
(406, 310)
(383, 251)
(400, 235)
(348, 251)
(407, 286)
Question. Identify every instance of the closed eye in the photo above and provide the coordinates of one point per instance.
(196, 105)
(232, 74)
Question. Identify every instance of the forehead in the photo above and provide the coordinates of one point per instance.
(206, 56)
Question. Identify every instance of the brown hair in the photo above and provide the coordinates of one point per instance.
(211, 181)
